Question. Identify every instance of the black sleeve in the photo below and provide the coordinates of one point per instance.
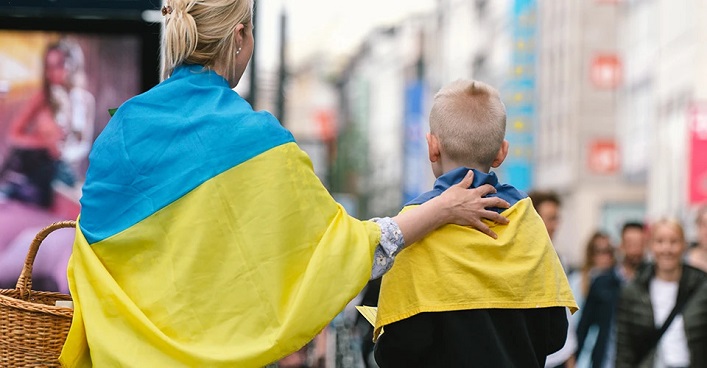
(559, 325)
(406, 343)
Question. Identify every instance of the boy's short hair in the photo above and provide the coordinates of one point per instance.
(469, 120)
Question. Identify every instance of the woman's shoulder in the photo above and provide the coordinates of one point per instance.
(693, 276)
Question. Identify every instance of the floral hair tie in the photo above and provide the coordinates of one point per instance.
(166, 10)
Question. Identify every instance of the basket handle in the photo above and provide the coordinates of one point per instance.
(24, 283)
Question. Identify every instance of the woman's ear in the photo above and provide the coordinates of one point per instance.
(239, 35)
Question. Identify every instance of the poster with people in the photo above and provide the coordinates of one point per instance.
(55, 92)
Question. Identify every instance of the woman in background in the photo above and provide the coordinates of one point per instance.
(663, 288)
(599, 256)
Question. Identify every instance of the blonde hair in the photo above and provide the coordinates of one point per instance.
(201, 32)
(469, 120)
(675, 224)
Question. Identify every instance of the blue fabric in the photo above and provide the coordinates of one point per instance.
(452, 177)
(167, 141)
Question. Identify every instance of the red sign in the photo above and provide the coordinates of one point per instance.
(327, 126)
(697, 116)
(606, 71)
(603, 157)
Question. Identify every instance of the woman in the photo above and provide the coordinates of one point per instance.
(53, 132)
(205, 239)
(598, 257)
(666, 287)
(35, 138)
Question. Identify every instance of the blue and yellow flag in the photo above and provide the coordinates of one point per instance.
(457, 268)
(205, 239)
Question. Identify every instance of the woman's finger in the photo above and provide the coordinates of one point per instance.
(478, 225)
(467, 181)
(494, 202)
(495, 217)
(485, 189)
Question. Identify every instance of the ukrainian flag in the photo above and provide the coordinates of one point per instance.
(205, 239)
(458, 268)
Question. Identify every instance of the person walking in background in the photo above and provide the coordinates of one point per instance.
(456, 299)
(659, 323)
(205, 239)
(547, 204)
(599, 257)
(599, 309)
(697, 256)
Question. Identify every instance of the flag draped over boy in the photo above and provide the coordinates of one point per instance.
(456, 268)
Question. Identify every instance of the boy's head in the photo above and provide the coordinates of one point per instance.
(467, 127)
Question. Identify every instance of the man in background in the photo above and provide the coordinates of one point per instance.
(548, 204)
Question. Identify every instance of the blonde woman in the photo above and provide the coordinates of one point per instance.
(205, 239)
(660, 321)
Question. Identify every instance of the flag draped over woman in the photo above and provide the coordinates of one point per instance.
(205, 239)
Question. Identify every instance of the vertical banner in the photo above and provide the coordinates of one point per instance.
(416, 166)
(519, 96)
(697, 181)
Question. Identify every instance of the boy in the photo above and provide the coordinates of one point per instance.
(460, 299)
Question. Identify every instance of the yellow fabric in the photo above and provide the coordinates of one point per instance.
(456, 268)
(241, 271)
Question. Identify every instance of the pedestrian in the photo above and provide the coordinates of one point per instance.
(659, 322)
(457, 299)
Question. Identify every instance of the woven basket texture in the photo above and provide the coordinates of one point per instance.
(32, 329)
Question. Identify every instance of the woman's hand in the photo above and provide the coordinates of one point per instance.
(466, 207)
(457, 205)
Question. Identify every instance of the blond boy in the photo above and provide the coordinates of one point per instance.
(458, 298)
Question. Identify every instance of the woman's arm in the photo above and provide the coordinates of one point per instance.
(34, 126)
(457, 205)
(19, 135)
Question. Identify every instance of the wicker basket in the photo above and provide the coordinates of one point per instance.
(32, 329)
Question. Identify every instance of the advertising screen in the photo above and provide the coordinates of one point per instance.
(56, 87)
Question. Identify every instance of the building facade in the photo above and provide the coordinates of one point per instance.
(576, 150)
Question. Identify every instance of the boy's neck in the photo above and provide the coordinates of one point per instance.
(449, 165)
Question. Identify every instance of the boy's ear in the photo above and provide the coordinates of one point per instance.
(501, 155)
(433, 147)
